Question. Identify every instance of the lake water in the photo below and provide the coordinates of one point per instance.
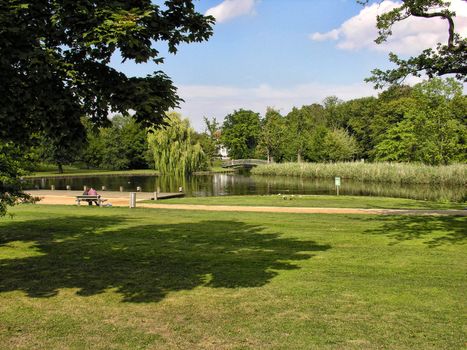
(245, 184)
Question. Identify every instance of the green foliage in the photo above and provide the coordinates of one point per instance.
(339, 146)
(304, 126)
(173, 149)
(272, 135)
(121, 146)
(240, 133)
(54, 61)
(449, 58)
(428, 131)
(13, 162)
(210, 138)
(54, 65)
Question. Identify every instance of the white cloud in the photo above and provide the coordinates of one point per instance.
(218, 101)
(229, 9)
(409, 36)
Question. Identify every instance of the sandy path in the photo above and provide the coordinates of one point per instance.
(121, 200)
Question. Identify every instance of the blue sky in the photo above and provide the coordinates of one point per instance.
(285, 53)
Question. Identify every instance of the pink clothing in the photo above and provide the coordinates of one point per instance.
(92, 192)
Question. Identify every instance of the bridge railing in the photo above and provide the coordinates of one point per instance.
(239, 162)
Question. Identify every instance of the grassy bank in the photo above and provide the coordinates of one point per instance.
(403, 173)
(126, 279)
(316, 202)
(92, 172)
(70, 171)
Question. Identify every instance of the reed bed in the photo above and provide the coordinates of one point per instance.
(403, 173)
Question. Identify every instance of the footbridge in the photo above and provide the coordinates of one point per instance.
(247, 163)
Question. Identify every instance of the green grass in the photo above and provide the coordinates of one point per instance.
(316, 202)
(401, 173)
(115, 278)
(86, 172)
(73, 171)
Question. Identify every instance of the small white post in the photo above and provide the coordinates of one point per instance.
(155, 196)
(132, 199)
(52, 188)
(121, 188)
(68, 187)
(103, 188)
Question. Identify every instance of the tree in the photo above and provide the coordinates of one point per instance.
(54, 61)
(448, 58)
(125, 144)
(429, 131)
(302, 125)
(333, 112)
(240, 133)
(173, 149)
(13, 165)
(62, 146)
(359, 114)
(339, 146)
(210, 139)
(272, 134)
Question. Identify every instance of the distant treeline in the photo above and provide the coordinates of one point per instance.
(425, 124)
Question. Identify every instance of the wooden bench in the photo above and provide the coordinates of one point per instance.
(88, 198)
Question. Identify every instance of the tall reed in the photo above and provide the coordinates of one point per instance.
(404, 173)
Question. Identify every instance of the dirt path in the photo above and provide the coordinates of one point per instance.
(119, 199)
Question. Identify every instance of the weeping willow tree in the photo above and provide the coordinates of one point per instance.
(173, 149)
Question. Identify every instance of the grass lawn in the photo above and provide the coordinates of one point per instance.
(317, 202)
(83, 172)
(115, 278)
(93, 172)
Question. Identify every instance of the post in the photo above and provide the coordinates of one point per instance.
(103, 188)
(85, 188)
(155, 196)
(52, 187)
(337, 182)
(180, 189)
(121, 188)
(138, 189)
(68, 187)
(132, 199)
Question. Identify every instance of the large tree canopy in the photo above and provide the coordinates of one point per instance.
(55, 54)
(448, 58)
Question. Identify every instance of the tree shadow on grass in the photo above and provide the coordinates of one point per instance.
(143, 262)
(434, 230)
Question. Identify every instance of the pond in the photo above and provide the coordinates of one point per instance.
(243, 183)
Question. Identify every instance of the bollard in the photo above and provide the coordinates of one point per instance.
(158, 189)
(180, 189)
(52, 188)
(68, 187)
(85, 188)
(155, 196)
(132, 199)
(103, 188)
(121, 188)
(138, 189)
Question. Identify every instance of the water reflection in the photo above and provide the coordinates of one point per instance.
(246, 184)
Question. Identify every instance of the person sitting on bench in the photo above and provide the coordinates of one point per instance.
(92, 192)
